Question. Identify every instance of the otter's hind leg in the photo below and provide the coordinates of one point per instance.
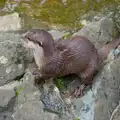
(87, 77)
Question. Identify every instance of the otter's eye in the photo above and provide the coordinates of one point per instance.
(28, 38)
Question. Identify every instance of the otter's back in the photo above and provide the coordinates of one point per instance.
(76, 53)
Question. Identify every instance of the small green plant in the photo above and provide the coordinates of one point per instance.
(66, 36)
(77, 118)
(18, 90)
(59, 83)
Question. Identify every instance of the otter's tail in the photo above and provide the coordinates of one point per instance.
(103, 52)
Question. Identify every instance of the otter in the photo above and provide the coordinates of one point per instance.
(76, 55)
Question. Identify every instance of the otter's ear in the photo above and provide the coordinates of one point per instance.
(40, 44)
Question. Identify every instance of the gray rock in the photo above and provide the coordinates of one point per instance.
(98, 32)
(12, 53)
(10, 22)
(116, 114)
(99, 102)
(7, 111)
(29, 111)
(6, 93)
(6, 116)
(29, 105)
(108, 92)
(12, 57)
(57, 34)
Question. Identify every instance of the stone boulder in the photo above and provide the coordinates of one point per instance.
(10, 22)
(116, 113)
(98, 32)
(12, 57)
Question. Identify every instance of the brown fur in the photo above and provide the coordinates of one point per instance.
(76, 55)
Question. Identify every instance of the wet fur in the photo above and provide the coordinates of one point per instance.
(76, 55)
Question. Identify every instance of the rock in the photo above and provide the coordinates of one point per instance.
(99, 102)
(116, 113)
(6, 116)
(29, 105)
(12, 53)
(98, 32)
(11, 66)
(108, 92)
(57, 34)
(10, 22)
(11, 63)
(6, 93)
(6, 111)
(12, 57)
(29, 111)
(26, 105)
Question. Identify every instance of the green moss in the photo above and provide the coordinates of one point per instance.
(115, 33)
(18, 90)
(54, 12)
(59, 83)
(66, 36)
(2, 3)
(77, 118)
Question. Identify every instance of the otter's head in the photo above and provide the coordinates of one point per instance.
(38, 38)
(42, 44)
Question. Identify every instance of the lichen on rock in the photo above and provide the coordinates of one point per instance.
(3, 60)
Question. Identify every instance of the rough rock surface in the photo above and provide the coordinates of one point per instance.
(107, 96)
(99, 32)
(57, 34)
(12, 57)
(116, 113)
(99, 102)
(24, 100)
(10, 22)
(12, 53)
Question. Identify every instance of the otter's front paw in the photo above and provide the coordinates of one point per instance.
(79, 91)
